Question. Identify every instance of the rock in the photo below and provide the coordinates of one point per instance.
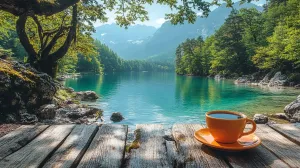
(297, 86)
(260, 119)
(292, 110)
(272, 122)
(69, 89)
(10, 119)
(47, 111)
(23, 91)
(277, 80)
(292, 120)
(280, 116)
(265, 80)
(27, 118)
(116, 117)
(61, 78)
(86, 96)
(219, 77)
(242, 80)
(79, 111)
(98, 123)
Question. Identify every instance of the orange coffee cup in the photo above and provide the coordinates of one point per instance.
(226, 130)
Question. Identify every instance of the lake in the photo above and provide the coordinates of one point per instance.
(158, 97)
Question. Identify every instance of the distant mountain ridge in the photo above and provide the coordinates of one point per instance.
(146, 42)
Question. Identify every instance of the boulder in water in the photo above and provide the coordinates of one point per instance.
(116, 117)
(292, 110)
(280, 116)
(86, 96)
(260, 119)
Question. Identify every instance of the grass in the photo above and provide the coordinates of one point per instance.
(136, 143)
(7, 68)
(64, 95)
(99, 114)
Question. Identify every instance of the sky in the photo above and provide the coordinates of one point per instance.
(157, 13)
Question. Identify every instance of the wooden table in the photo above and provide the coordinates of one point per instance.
(105, 146)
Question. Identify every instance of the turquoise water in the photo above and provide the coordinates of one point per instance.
(167, 98)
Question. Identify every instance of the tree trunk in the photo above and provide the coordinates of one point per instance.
(48, 66)
(45, 61)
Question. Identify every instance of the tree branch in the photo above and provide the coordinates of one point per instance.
(20, 27)
(71, 36)
(36, 7)
(40, 30)
(58, 34)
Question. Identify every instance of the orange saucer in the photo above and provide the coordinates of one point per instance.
(243, 143)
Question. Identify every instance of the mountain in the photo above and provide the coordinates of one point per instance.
(123, 40)
(144, 42)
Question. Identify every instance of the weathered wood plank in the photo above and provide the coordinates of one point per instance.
(194, 153)
(107, 148)
(73, 148)
(172, 153)
(152, 150)
(258, 157)
(19, 138)
(283, 148)
(290, 131)
(34, 153)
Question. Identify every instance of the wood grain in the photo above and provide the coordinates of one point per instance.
(18, 138)
(107, 148)
(73, 148)
(283, 148)
(152, 150)
(254, 158)
(290, 131)
(34, 153)
(195, 154)
(172, 154)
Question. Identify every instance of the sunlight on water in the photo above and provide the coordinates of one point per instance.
(167, 98)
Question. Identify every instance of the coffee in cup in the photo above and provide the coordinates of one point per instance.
(228, 126)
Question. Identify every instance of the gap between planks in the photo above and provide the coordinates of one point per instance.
(178, 147)
(290, 131)
(197, 155)
(18, 138)
(279, 145)
(107, 148)
(39, 149)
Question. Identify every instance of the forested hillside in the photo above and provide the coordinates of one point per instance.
(249, 41)
(144, 42)
(109, 61)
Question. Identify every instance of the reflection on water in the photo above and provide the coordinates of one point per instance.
(168, 98)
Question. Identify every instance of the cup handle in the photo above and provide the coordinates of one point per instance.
(253, 127)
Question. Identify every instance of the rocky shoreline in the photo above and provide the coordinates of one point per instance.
(270, 80)
(291, 112)
(66, 108)
(29, 97)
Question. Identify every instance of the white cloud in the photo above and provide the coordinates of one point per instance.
(199, 14)
(137, 42)
(112, 42)
(103, 34)
(260, 4)
(160, 21)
